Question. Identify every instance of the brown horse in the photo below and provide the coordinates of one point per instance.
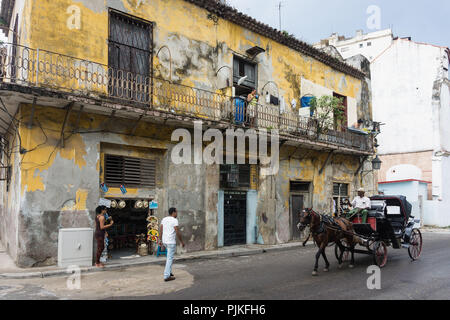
(324, 232)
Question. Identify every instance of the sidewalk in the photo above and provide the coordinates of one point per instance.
(433, 229)
(8, 270)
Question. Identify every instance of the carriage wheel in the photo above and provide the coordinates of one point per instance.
(338, 251)
(415, 244)
(380, 253)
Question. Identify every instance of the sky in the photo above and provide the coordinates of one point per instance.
(312, 20)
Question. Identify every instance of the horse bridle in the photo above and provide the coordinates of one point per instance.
(307, 219)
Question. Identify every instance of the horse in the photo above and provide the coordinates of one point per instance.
(324, 232)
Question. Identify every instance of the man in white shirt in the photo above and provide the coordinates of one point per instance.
(168, 232)
(361, 205)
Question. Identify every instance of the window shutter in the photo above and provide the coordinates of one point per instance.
(131, 172)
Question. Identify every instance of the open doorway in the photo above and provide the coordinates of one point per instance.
(299, 200)
(244, 82)
(129, 222)
(342, 124)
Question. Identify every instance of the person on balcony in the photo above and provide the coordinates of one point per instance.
(361, 205)
(252, 104)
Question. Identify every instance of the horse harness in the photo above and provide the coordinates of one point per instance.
(325, 222)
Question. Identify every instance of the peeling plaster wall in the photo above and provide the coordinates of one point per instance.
(187, 192)
(10, 201)
(59, 188)
(364, 98)
(304, 165)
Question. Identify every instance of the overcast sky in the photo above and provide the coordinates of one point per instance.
(311, 20)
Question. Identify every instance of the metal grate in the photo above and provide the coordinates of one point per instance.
(130, 52)
(235, 176)
(235, 218)
(132, 172)
(343, 187)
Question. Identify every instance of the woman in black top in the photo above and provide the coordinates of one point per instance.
(100, 230)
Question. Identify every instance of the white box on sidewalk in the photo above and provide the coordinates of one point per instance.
(75, 247)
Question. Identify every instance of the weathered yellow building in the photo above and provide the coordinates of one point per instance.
(92, 90)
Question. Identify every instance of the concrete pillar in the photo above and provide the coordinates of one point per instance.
(212, 179)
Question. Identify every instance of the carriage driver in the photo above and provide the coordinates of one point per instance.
(361, 205)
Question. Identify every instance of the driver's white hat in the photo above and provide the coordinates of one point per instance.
(361, 190)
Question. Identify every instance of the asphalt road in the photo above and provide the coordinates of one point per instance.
(282, 275)
(287, 276)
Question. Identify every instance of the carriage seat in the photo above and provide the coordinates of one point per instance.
(374, 213)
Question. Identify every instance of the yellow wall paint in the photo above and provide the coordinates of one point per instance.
(81, 197)
(180, 18)
(307, 170)
(43, 147)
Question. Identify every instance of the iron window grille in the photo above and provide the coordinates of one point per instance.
(235, 176)
(343, 187)
(130, 48)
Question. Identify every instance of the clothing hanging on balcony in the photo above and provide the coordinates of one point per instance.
(240, 110)
(306, 101)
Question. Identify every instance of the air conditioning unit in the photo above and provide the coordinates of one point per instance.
(75, 247)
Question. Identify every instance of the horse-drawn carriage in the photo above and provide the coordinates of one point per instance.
(389, 223)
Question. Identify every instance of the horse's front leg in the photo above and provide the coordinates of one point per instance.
(327, 264)
(316, 266)
(319, 253)
(307, 239)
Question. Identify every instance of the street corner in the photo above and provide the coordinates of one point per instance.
(135, 281)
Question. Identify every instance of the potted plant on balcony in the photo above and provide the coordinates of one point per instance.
(328, 111)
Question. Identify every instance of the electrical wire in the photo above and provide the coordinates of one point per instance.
(37, 165)
(12, 121)
(39, 145)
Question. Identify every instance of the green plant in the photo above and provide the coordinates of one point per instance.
(327, 111)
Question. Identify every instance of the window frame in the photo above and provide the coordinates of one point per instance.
(247, 85)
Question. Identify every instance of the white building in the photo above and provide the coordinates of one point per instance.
(411, 97)
(369, 45)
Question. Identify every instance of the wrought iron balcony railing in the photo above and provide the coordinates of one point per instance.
(45, 69)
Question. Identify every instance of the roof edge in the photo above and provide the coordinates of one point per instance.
(233, 15)
(406, 180)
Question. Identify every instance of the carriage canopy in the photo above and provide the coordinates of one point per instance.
(405, 206)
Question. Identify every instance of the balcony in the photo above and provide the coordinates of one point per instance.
(41, 69)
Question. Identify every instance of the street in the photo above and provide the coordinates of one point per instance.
(282, 275)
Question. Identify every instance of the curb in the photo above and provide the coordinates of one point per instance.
(212, 256)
